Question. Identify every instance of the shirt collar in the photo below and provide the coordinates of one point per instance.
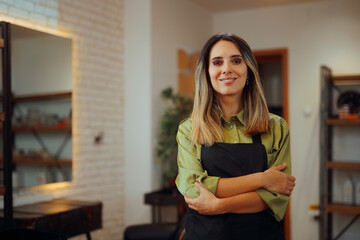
(239, 117)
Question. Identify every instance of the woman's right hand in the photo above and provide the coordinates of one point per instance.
(276, 181)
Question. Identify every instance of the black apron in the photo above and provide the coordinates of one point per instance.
(232, 160)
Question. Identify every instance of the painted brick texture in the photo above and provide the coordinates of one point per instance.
(96, 28)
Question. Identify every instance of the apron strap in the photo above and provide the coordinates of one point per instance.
(256, 138)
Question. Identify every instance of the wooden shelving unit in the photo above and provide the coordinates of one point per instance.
(39, 129)
(343, 165)
(327, 163)
(42, 97)
(2, 190)
(44, 129)
(345, 80)
(41, 162)
(342, 122)
(340, 208)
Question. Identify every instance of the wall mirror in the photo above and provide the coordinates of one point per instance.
(41, 78)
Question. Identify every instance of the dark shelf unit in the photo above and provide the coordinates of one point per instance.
(341, 208)
(37, 130)
(342, 165)
(6, 189)
(342, 122)
(327, 163)
(40, 162)
(7, 130)
(27, 129)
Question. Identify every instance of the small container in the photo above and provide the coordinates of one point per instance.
(357, 193)
(348, 192)
(344, 111)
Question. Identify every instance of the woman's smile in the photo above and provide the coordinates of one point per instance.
(228, 80)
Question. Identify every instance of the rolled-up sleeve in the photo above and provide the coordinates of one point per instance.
(190, 169)
(280, 154)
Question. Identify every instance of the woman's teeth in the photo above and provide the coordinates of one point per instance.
(228, 79)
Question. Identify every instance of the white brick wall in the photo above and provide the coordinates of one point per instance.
(96, 28)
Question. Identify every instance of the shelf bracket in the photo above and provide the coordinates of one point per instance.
(38, 138)
(62, 146)
(347, 226)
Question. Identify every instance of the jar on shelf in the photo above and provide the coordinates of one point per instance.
(344, 111)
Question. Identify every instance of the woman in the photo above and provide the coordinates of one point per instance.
(233, 156)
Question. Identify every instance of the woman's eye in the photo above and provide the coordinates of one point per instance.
(237, 60)
(217, 62)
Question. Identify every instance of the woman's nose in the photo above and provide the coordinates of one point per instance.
(226, 68)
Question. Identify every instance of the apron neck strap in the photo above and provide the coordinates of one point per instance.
(256, 138)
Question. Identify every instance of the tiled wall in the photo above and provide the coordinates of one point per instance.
(96, 28)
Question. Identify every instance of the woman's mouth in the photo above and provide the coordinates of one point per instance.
(227, 80)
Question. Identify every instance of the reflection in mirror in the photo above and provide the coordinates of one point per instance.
(41, 69)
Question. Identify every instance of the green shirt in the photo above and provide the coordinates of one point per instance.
(277, 145)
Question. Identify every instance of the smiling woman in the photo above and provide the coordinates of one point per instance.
(233, 156)
(228, 74)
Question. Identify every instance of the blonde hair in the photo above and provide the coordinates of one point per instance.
(206, 122)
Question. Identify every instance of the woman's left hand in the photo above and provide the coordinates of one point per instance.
(206, 203)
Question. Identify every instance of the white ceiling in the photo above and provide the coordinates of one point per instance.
(233, 5)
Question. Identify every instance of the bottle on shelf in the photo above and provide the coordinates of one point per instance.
(348, 192)
(357, 193)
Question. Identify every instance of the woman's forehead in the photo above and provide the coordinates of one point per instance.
(224, 49)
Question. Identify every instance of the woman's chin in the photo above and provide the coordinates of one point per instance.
(229, 93)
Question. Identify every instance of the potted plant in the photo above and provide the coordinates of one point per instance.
(179, 108)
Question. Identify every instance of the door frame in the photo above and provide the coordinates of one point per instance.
(276, 55)
(272, 55)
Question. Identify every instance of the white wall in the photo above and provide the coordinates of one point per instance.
(175, 24)
(315, 34)
(154, 30)
(138, 109)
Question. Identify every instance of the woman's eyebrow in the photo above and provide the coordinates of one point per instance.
(232, 56)
(215, 58)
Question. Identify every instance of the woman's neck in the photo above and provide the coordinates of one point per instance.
(230, 106)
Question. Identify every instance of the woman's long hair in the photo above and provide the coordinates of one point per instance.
(206, 123)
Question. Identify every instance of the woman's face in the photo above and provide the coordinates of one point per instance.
(227, 69)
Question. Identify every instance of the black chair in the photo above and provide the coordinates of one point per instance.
(159, 231)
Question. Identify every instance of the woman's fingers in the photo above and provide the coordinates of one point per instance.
(188, 200)
(205, 203)
(191, 206)
(280, 167)
(291, 178)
